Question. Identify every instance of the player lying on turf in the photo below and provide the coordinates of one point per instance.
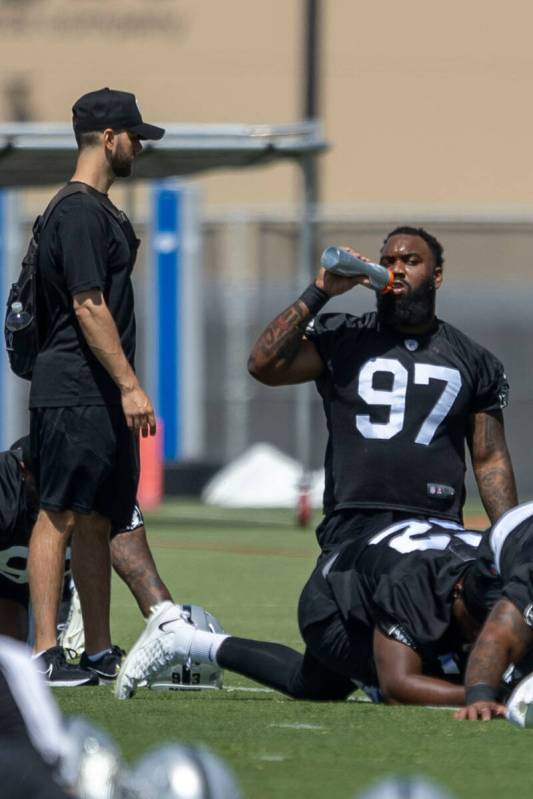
(131, 558)
(391, 613)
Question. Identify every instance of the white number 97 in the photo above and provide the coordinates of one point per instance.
(394, 398)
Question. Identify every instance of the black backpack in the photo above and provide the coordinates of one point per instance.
(23, 345)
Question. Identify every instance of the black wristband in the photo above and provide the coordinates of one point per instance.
(480, 692)
(314, 298)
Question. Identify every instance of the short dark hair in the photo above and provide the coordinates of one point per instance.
(86, 138)
(22, 446)
(434, 245)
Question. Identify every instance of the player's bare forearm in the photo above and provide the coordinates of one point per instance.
(505, 638)
(401, 677)
(492, 464)
(281, 355)
(422, 690)
(100, 332)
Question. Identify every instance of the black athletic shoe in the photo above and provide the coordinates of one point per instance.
(107, 667)
(53, 666)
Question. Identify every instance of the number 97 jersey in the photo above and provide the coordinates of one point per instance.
(398, 408)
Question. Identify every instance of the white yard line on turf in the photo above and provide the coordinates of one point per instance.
(298, 726)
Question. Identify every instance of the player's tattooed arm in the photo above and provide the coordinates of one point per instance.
(492, 463)
(282, 355)
(504, 639)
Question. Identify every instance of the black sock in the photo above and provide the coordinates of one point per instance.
(273, 665)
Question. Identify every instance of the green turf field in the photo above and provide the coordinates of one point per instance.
(247, 567)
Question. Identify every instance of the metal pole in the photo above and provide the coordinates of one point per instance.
(305, 263)
(306, 249)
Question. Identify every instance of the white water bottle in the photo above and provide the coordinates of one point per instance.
(17, 318)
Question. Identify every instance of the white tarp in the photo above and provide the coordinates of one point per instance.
(262, 477)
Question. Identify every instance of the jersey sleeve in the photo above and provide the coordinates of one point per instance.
(492, 386)
(324, 331)
(413, 606)
(519, 590)
(82, 233)
(10, 494)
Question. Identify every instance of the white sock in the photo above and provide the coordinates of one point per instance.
(205, 645)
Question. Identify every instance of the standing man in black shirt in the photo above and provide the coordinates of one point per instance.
(402, 392)
(87, 406)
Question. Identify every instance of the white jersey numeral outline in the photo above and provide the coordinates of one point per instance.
(409, 535)
(395, 397)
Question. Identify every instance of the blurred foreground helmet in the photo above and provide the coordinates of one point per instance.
(178, 771)
(405, 787)
(196, 675)
(520, 705)
(90, 764)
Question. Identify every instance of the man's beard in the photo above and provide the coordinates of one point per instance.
(414, 309)
(121, 164)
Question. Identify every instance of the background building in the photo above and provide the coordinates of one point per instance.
(427, 114)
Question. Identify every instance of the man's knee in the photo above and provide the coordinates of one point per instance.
(92, 524)
(62, 522)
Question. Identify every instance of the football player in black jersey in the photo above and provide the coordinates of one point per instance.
(507, 635)
(19, 500)
(390, 614)
(402, 392)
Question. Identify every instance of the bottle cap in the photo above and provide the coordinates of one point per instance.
(16, 307)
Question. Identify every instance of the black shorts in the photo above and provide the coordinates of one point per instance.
(135, 523)
(339, 645)
(85, 460)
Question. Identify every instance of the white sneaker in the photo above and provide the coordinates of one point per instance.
(166, 640)
(520, 705)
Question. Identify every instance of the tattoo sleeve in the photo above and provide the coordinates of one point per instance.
(505, 638)
(273, 357)
(492, 464)
(281, 339)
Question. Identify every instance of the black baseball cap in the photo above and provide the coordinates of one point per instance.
(110, 108)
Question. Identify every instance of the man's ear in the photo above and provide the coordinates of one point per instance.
(438, 277)
(108, 136)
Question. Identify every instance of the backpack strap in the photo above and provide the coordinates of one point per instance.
(76, 188)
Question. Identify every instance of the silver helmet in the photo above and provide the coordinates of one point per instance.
(193, 676)
(405, 787)
(180, 771)
(90, 764)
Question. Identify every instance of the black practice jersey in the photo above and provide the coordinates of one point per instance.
(16, 517)
(397, 409)
(400, 580)
(83, 247)
(16, 521)
(507, 553)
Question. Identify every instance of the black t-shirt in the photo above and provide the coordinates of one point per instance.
(82, 247)
(397, 409)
